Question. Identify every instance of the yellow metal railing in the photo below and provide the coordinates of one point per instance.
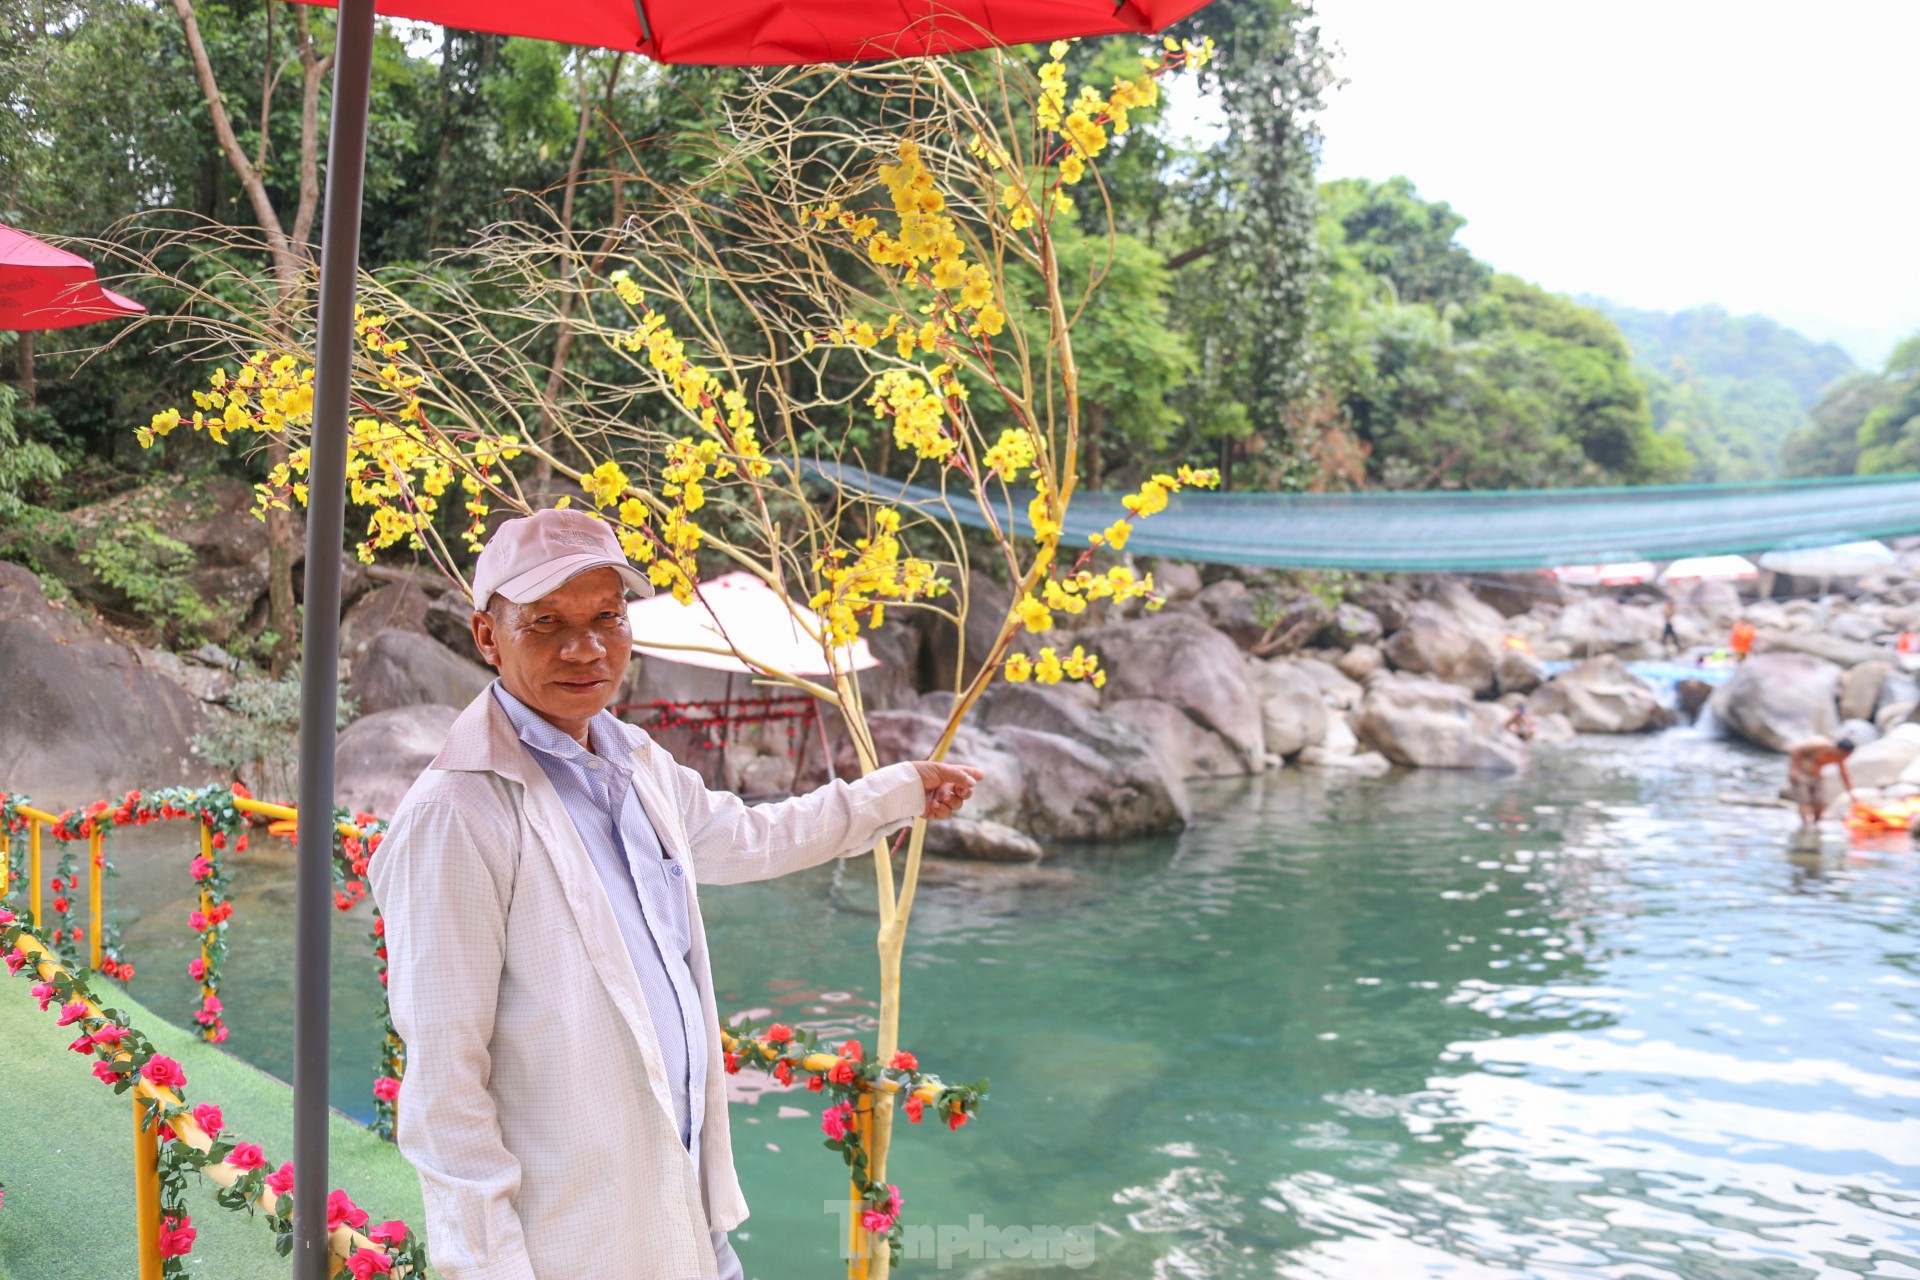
(341, 1242)
(96, 864)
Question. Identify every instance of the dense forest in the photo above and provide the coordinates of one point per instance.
(1297, 334)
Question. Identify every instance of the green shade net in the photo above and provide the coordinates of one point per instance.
(1461, 532)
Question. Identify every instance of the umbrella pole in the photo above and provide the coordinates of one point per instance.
(320, 643)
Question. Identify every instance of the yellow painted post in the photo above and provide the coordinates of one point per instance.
(206, 905)
(146, 1194)
(33, 867)
(96, 878)
(859, 1257)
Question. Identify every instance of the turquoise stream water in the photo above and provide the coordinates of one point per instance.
(1593, 1021)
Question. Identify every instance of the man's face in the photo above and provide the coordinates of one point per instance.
(565, 654)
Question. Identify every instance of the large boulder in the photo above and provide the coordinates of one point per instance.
(1435, 642)
(910, 734)
(1860, 689)
(1191, 749)
(449, 619)
(411, 668)
(1601, 625)
(1513, 594)
(1387, 601)
(378, 757)
(1435, 725)
(1178, 658)
(1517, 671)
(1602, 696)
(1776, 699)
(1336, 687)
(1818, 644)
(1459, 600)
(1351, 625)
(978, 840)
(1881, 763)
(1293, 713)
(84, 717)
(896, 681)
(391, 606)
(1360, 662)
(1715, 603)
(1175, 579)
(1231, 607)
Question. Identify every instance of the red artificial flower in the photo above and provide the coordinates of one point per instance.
(957, 1119)
(240, 845)
(110, 1034)
(105, 1074)
(732, 1061)
(394, 1233)
(369, 1262)
(219, 1035)
(779, 1033)
(815, 1084)
(904, 1061)
(386, 1088)
(56, 884)
(197, 921)
(176, 1236)
(199, 868)
(221, 912)
(851, 1049)
(208, 1117)
(379, 926)
(83, 1045)
(109, 967)
(45, 994)
(280, 1181)
(342, 1211)
(72, 1013)
(79, 934)
(915, 1108)
(835, 1121)
(126, 973)
(15, 959)
(61, 905)
(842, 1072)
(247, 1155)
(197, 968)
(783, 1071)
(163, 1072)
(166, 1133)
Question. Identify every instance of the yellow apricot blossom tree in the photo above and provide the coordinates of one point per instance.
(821, 316)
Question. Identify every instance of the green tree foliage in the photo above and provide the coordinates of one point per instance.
(1733, 387)
(1866, 424)
(1406, 241)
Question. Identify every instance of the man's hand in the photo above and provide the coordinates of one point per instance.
(948, 786)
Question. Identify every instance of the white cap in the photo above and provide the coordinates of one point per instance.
(531, 555)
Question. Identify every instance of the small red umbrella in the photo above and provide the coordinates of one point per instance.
(787, 32)
(42, 287)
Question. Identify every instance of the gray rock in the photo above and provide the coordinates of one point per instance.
(1880, 763)
(976, 840)
(1191, 749)
(1898, 686)
(1337, 745)
(896, 681)
(449, 619)
(1776, 699)
(411, 668)
(1360, 662)
(1716, 604)
(1602, 696)
(1521, 591)
(1860, 689)
(1234, 609)
(1336, 688)
(1175, 579)
(1178, 658)
(1459, 600)
(1293, 713)
(1689, 696)
(986, 608)
(1296, 624)
(1515, 671)
(1601, 625)
(1552, 730)
(1818, 644)
(1076, 792)
(1435, 725)
(1894, 713)
(1387, 601)
(391, 606)
(378, 757)
(84, 716)
(1352, 625)
(1434, 642)
(1860, 732)
(912, 735)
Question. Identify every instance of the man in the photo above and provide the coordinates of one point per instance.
(1804, 763)
(565, 1102)
(1520, 723)
(1669, 638)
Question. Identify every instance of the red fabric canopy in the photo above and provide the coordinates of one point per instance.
(42, 287)
(787, 32)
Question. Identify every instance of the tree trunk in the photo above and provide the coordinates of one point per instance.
(28, 387)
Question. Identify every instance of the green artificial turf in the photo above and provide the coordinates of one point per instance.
(66, 1154)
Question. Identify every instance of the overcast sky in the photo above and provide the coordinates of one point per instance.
(1758, 155)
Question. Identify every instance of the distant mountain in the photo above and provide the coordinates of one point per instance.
(1733, 387)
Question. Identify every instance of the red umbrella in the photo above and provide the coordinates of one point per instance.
(764, 33)
(42, 287)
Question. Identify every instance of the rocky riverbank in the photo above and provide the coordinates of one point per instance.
(1237, 674)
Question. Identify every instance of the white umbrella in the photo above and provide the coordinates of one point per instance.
(1617, 573)
(1710, 569)
(737, 612)
(1849, 560)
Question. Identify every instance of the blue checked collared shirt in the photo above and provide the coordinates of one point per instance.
(644, 885)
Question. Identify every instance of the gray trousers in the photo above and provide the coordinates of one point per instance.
(730, 1268)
